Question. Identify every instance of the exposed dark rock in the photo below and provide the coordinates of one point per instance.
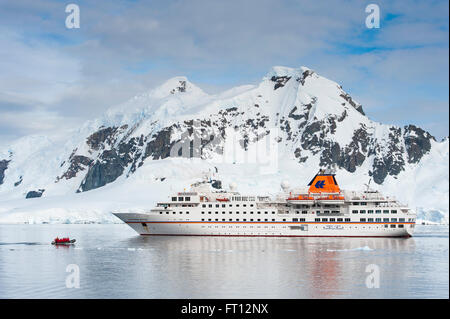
(352, 160)
(77, 163)
(18, 182)
(179, 88)
(349, 158)
(331, 154)
(305, 75)
(380, 171)
(141, 140)
(3, 167)
(295, 116)
(159, 147)
(388, 161)
(343, 116)
(35, 194)
(286, 127)
(131, 151)
(302, 113)
(101, 137)
(417, 141)
(297, 154)
(349, 99)
(231, 109)
(216, 184)
(312, 137)
(360, 109)
(332, 125)
(256, 122)
(112, 163)
(280, 81)
(105, 170)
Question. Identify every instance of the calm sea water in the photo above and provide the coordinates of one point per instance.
(115, 262)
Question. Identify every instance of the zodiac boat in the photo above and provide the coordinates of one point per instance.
(63, 241)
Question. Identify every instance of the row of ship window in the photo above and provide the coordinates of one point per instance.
(174, 213)
(188, 199)
(378, 211)
(244, 220)
(317, 219)
(365, 203)
(273, 213)
(323, 219)
(181, 199)
(229, 205)
(242, 213)
(238, 199)
(385, 226)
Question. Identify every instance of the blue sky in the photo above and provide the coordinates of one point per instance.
(51, 75)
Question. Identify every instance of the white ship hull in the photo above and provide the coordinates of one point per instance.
(323, 211)
(145, 225)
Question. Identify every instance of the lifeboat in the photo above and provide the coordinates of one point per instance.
(223, 199)
(301, 197)
(63, 241)
(332, 197)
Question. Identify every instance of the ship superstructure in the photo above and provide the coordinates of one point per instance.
(323, 209)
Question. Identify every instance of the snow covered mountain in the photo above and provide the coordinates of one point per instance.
(136, 152)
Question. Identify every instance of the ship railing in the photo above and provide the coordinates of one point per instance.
(159, 209)
(353, 195)
(389, 204)
(370, 198)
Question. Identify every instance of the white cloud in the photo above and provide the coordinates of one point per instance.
(33, 71)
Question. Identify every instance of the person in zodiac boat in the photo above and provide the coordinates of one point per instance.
(63, 241)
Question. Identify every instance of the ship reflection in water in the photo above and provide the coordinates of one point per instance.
(114, 262)
(281, 268)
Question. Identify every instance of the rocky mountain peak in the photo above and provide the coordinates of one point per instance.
(310, 86)
(279, 71)
(174, 86)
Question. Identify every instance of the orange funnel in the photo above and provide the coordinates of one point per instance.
(324, 183)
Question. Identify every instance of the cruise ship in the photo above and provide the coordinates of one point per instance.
(320, 210)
